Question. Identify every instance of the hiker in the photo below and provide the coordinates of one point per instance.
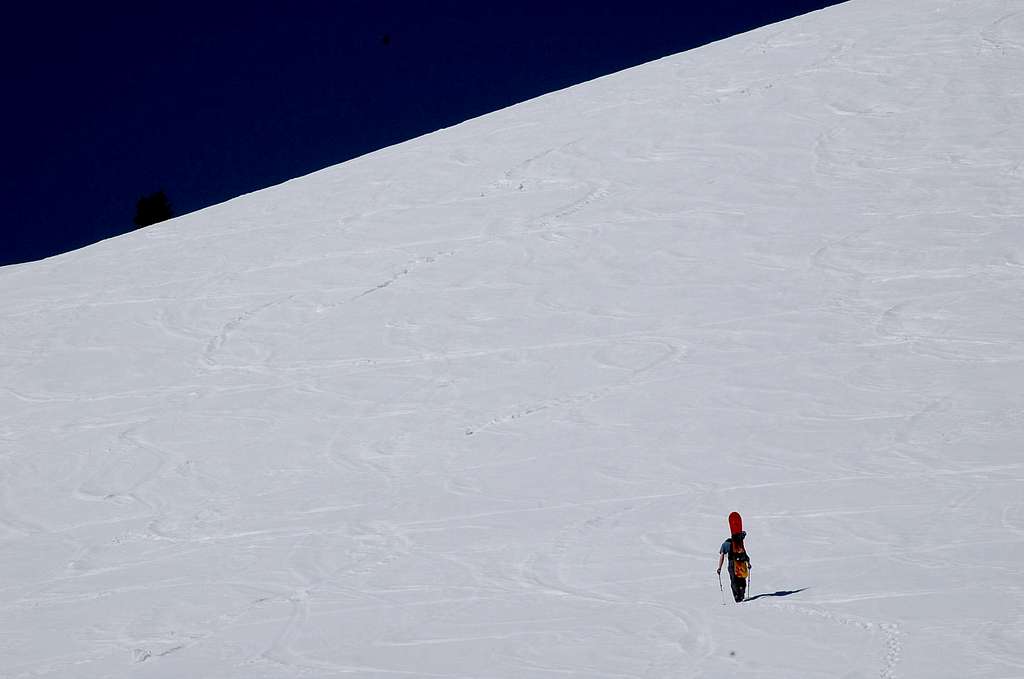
(739, 564)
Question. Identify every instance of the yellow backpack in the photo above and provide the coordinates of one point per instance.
(740, 561)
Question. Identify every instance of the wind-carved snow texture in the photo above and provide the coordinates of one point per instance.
(478, 405)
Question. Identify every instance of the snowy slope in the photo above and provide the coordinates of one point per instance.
(478, 405)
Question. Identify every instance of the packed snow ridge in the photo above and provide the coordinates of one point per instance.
(478, 405)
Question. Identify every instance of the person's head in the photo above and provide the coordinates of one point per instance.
(737, 541)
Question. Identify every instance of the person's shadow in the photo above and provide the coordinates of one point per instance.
(779, 593)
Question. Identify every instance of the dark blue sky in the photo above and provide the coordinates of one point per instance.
(107, 103)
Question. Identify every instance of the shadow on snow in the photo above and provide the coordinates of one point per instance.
(779, 593)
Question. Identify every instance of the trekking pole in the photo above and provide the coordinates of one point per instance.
(720, 587)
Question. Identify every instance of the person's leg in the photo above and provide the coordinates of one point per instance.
(738, 585)
(742, 586)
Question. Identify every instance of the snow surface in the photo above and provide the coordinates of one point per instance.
(478, 405)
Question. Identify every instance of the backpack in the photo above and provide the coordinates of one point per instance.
(738, 558)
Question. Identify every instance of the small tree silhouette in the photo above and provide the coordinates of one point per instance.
(152, 209)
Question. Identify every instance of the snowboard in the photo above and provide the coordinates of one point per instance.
(735, 523)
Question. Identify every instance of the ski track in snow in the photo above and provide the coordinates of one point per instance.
(890, 633)
(581, 398)
(477, 405)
